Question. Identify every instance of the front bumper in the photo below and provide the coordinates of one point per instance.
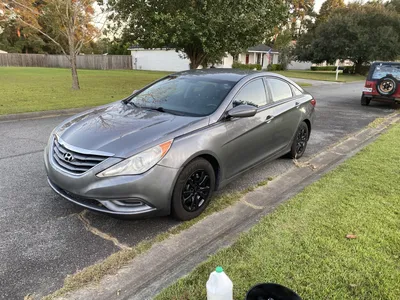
(147, 194)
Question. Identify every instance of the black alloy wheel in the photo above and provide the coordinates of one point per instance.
(300, 141)
(196, 191)
(193, 189)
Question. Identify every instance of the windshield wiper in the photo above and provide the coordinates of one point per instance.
(163, 110)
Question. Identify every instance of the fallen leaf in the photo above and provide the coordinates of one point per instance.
(351, 236)
(118, 292)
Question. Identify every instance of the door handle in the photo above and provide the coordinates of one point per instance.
(269, 118)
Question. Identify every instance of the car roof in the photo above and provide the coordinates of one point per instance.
(233, 75)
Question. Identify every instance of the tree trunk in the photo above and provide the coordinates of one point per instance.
(72, 60)
(75, 80)
(196, 59)
(358, 66)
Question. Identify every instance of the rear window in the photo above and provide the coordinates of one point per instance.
(386, 69)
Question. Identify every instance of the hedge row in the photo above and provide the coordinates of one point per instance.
(346, 69)
(237, 65)
(324, 68)
(275, 67)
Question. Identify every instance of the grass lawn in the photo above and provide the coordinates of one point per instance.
(303, 243)
(36, 89)
(322, 75)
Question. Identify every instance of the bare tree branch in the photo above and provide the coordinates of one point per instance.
(26, 7)
(45, 34)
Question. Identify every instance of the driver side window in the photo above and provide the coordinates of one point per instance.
(252, 94)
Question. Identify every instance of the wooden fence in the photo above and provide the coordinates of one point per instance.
(96, 62)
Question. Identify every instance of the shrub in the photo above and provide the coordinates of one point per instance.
(275, 67)
(324, 68)
(348, 69)
(237, 65)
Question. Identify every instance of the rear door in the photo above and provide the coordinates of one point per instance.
(287, 110)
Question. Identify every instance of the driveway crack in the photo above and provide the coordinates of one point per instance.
(95, 231)
(22, 154)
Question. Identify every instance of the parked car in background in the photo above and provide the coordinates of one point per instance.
(382, 83)
(167, 147)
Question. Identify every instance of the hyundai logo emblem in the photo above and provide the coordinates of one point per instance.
(68, 156)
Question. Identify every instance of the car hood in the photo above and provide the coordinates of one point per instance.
(124, 130)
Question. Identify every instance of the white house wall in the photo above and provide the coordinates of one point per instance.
(159, 60)
(296, 65)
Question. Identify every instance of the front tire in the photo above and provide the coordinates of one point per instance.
(365, 101)
(300, 141)
(193, 190)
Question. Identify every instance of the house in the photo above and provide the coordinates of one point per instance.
(167, 59)
(260, 54)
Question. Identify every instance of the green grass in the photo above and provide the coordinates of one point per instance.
(322, 75)
(94, 273)
(38, 89)
(303, 244)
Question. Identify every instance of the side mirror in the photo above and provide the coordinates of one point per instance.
(242, 111)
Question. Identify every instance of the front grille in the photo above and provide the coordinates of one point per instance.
(73, 161)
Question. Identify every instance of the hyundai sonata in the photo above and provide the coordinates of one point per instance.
(167, 147)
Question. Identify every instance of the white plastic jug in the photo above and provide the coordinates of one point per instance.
(219, 286)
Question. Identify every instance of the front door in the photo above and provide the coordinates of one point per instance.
(247, 141)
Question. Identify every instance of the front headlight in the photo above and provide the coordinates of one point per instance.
(138, 163)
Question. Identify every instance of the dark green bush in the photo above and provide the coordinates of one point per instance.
(348, 69)
(237, 65)
(324, 68)
(275, 67)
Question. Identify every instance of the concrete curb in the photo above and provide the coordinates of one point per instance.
(42, 114)
(167, 261)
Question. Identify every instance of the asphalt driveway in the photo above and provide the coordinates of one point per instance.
(43, 238)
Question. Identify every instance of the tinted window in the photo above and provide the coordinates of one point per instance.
(279, 89)
(194, 96)
(296, 91)
(252, 94)
(383, 70)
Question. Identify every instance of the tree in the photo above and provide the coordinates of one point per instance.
(327, 8)
(14, 38)
(393, 5)
(201, 29)
(360, 33)
(284, 45)
(301, 13)
(66, 23)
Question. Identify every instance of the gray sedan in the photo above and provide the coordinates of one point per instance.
(167, 147)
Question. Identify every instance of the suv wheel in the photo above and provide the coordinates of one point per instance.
(365, 100)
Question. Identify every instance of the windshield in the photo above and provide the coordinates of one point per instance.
(193, 96)
(383, 70)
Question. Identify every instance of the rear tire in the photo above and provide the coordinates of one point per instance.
(365, 101)
(300, 141)
(193, 190)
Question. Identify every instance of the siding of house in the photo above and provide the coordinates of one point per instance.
(297, 65)
(159, 60)
(166, 60)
